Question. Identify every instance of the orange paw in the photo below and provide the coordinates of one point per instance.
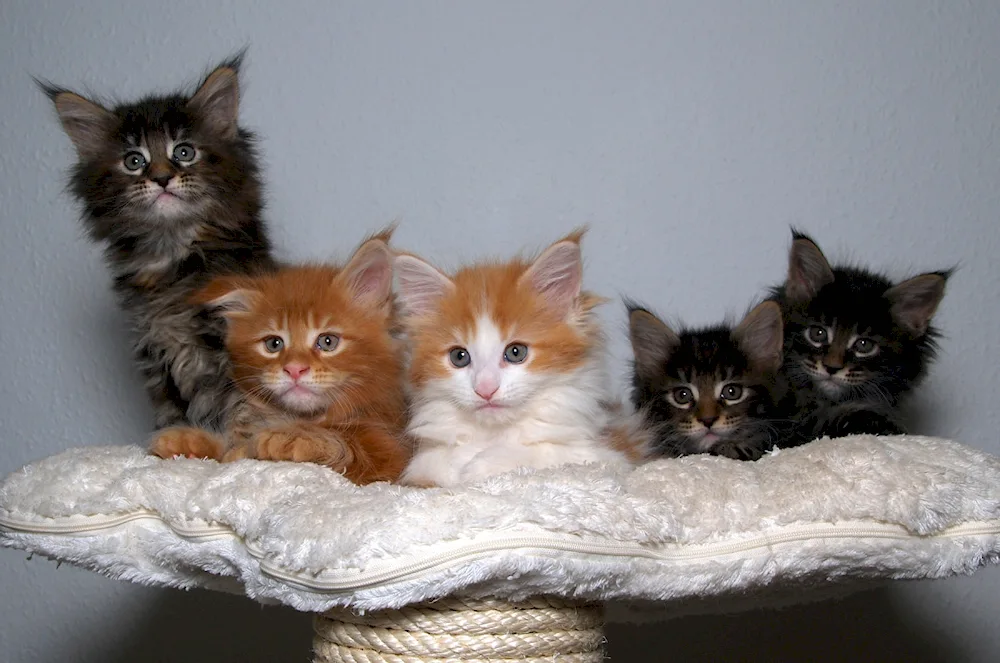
(185, 441)
(293, 445)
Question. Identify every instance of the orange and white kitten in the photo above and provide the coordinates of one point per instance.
(320, 371)
(507, 369)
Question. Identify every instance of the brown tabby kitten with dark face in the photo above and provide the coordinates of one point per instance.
(709, 390)
(169, 186)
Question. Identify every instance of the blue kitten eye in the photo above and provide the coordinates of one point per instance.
(515, 353)
(864, 347)
(134, 161)
(273, 344)
(183, 152)
(817, 335)
(732, 392)
(682, 396)
(327, 342)
(459, 357)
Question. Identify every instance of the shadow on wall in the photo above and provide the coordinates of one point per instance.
(200, 626)
(871, 626)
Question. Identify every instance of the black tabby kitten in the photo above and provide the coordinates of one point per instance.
(855, 343)
(710, 390)
(169, 186)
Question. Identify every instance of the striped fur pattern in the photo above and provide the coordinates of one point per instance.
(318, 367)
(169, 186)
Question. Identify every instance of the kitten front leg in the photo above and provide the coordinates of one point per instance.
(863, 422)
(738, 450)
(187, 441)
(302, 443)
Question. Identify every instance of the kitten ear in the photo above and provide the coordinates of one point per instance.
(87, 124)
(217, 100)
(227, 295)
(652, 340)
(808, 269)
(761, 336)
(914, 302)
(368, 275)
(557, 274)
(421, 286)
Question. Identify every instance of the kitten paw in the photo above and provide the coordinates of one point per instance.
(864, 422)
(186, 441)
(738, 451)
(297, 446)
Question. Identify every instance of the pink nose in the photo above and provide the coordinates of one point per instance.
(486, 391)
(295, 371)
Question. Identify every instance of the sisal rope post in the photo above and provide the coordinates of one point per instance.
(455, 630)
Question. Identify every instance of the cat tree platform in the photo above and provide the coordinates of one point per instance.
(524, 566)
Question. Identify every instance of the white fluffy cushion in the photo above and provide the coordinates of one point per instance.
(852, 509)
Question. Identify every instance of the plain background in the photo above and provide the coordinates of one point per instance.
(689, 135)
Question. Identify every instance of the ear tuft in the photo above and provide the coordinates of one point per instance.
(761, 336)
(86, 123)
(557, 274)
(368, 274)
(808, 269)
(652, 340)
(421, 286)
(915, 301)
(217, 99)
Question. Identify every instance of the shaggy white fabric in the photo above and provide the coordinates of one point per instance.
(853, 509)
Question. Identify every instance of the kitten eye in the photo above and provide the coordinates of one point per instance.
(183, 152)
(327, 342)
(516, 353)
(273, 343)
(681, 396)
(732, 392)
(134, 161)
(864, 347)
(459, 357)
(817, 335)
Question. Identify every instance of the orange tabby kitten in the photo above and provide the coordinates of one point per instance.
(319, 369)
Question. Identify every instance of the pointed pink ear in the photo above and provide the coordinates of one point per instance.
(761, 336)
(217, 101)
(421, 286)
(652, 340)
(86, 123)
(368, 275)
(557, 274)
(914, 302)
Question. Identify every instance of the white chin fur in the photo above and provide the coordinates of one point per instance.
(302, 402)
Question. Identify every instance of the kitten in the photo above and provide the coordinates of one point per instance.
(320, 371)
(855, 342)
(709, 390)
(507, 369)
(169, 186)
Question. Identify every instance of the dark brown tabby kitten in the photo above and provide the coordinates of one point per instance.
(855, 343)
(169, 185)
(709, 390)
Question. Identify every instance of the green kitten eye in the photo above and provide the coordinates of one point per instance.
(134, 161)
(459, 357)
(817, 335)
(273, 343)
(864, 347)
(327, 342)
(515, 353)
(183, 152)
(682, 396)
(732, 392)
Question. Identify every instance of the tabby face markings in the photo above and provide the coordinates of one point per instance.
(707, 402)
(838, 356)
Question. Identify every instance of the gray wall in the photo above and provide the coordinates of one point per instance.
(689, 135)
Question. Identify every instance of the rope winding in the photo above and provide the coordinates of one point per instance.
(457, 630)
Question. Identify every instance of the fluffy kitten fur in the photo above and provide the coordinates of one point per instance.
(855, 342)
(507, 369)
(708, 390)
(319, 369)
(169, 186)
